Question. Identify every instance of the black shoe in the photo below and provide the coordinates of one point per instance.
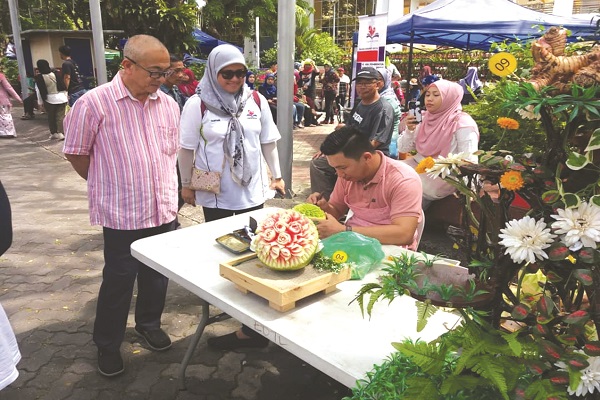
(110, 363)
(232, 342)
(157, 339)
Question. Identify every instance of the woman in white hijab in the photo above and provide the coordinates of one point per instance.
(230, 129)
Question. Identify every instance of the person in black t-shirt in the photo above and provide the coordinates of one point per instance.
(372, 116)
(71, 75)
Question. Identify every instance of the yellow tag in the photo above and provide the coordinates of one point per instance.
(339, 257)
(502, 64)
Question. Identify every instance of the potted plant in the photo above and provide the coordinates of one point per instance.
(543, 268)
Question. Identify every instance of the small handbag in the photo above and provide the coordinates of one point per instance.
(206, 181)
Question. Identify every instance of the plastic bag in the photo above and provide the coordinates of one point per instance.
(350, 247)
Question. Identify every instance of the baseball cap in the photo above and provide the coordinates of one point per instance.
(429, 79)
(368, 73)
(341, 69)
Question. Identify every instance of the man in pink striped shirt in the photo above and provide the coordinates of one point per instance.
(123, 137)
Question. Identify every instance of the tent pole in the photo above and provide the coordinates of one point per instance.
(410, 65)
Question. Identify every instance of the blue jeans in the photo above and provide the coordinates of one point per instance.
(73, 97)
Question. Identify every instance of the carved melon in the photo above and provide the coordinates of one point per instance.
(310, 210)
(286, 240)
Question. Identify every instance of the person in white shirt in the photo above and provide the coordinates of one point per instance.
(230, 128)
(343, 88)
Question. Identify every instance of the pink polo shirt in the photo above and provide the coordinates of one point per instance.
(395, 191)
(132, 180)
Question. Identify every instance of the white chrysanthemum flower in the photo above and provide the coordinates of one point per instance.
(445, 166)
(525, 239)
(590, 377)
(508, 158)
(579, 227)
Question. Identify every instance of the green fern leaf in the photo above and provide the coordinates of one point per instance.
(429, 357)
(470, 353)
(374, 298)
(454, 384)
(489, 368)
(513, 342)
(421, 389)
(424, 311)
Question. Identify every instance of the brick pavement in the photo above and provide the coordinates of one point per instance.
(49, 281)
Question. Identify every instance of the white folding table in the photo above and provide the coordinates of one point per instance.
(324, 329)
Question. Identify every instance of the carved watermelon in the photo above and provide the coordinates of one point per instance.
(286, 240)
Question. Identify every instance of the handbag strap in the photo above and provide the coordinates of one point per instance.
(203, 139)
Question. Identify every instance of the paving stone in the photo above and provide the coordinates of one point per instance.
(248, 383)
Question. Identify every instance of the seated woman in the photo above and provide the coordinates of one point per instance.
(269, 90)
(445, 129)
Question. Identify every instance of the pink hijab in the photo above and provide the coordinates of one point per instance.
(437, 129)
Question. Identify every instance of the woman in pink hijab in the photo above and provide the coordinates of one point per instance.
(445, 129)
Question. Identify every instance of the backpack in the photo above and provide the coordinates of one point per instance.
(254, 96)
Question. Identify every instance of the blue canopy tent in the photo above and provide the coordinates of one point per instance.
(475, 24)
(206, 42)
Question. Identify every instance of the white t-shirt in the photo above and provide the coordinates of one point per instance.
(259, 128)
(9, 352)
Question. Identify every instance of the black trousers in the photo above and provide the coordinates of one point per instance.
(118, 277)
(29, 104)
(213, 214)
(329, 109)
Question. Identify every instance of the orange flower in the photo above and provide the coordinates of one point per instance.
(424, 165)
(512, 180)
(508, 123)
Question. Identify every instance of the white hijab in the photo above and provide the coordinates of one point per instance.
(219, 101)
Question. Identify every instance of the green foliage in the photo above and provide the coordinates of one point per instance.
(319, 48)
(232, 20)
(170, 21)
(471, 362)
(424, 310)
(10, 68)
(465, 363)
(386, 381)
(492, 106)
(198, 70)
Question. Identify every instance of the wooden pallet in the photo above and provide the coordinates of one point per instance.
(281, 288)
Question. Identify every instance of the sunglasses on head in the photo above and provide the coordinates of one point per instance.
(229, 74)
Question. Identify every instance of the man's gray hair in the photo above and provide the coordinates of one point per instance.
(138, 45)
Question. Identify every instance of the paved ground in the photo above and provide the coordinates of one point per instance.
(49, 281)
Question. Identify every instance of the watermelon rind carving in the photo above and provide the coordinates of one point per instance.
(286, 240)
(310, 210)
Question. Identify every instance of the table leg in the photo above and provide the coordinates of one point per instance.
(204, 321)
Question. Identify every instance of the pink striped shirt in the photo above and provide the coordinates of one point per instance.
(132, 180)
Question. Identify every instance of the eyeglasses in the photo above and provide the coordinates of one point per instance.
(228, 73)
(365, 83)
(153, 74)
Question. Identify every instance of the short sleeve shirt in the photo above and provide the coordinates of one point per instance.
(395, 191)
(71, 69)
(376, 120)
(132, 178)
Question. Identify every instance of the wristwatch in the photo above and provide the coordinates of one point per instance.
(348, 228)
